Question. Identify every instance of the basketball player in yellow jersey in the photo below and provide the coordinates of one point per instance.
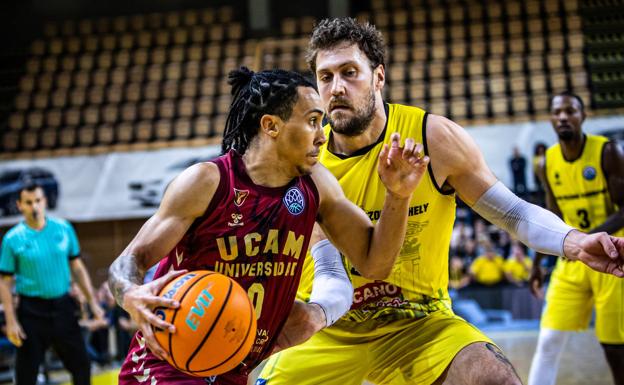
(584, 181)
(401, 329)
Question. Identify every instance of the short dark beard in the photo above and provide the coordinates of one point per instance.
(359, 123)
(566, 136)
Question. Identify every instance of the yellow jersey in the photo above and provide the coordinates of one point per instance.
(580, 187)
(488, 271)
(418, 283)
(520, 271)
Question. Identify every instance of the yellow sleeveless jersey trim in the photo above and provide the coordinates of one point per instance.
(580, 187)
(418, 284)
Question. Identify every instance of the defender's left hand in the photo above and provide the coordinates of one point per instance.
(600, 251)
(402, 168)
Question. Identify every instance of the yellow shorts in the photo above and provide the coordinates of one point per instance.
(574, 291)
(402, 352)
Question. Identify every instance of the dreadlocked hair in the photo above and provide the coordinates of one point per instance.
(254, 94)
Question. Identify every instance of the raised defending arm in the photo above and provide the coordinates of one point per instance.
(373, 248)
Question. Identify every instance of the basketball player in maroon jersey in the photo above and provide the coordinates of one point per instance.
(249, 214)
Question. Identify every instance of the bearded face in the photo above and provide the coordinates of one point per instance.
(351, 118)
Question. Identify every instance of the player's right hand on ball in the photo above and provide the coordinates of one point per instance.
(140, 302)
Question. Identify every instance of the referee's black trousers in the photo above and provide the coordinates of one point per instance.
(51, 322)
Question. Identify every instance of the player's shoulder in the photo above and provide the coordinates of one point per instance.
(441, 126)
(606, 144)
(199, 175)
(612, 156)
(447, 141)
(324, 181)
(191, 191)
(320, 175)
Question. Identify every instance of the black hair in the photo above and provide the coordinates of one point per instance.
(539, 146)
(30, 186)
(570, 94)
(255, 94)
(332, 32)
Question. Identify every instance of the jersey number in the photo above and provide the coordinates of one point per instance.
(256, 296)
(584, 215)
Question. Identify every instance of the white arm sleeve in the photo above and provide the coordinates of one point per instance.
(534, 226)
(331, 289)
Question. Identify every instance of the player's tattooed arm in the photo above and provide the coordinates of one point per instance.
(124, 274)
(186, 198)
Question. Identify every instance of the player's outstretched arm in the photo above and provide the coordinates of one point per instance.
(600, 251)
(372, 249)
(459, 162)
(186, 198)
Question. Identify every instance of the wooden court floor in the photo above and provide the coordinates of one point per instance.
(582, 362)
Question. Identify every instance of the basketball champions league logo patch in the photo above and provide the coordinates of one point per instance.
(293, 200)
(589, 173)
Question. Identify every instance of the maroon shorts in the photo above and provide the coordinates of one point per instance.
(141, 367)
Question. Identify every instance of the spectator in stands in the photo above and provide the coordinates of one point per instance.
(468, 250)
(88, 324)
(517, 163)
(125, 328)
(99, 337)
(458, 273)
(518, 266)
(503, 242)
(461, 233)
(487, 269)
(481, 234)
(39, 255)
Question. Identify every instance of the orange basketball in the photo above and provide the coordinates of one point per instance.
(215, 323)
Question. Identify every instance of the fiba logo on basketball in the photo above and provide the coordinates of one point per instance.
(293, 200)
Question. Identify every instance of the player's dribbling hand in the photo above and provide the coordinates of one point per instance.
(402, 168)
(304, 320)
(140, 301)
(600, 251)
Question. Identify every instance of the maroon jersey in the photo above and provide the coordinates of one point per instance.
(256, 235)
